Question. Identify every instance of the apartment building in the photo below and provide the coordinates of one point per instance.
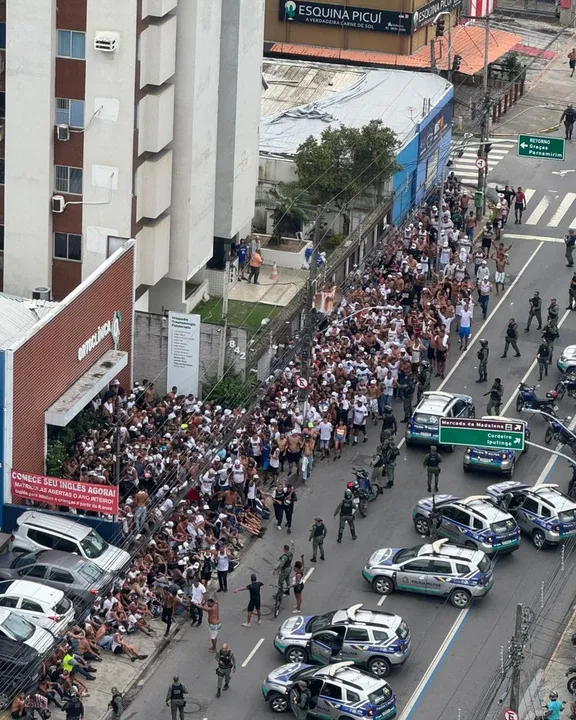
(126, 119)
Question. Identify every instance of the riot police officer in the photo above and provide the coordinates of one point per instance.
(283, 569)
(346, 510)
(482, 355)
(424, 378)
(407, 395)
(432, 463)
(572, 294)
(535, 311)
(553, 314)
(390, 453)
(226, 666)
(378, 462)
(550, 334)
(317, 534)
(300, 697)
(175, 698)
(388, 422)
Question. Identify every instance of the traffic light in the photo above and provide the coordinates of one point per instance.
(487, 148)
(456, 63)
(484, 149)
(440, 24)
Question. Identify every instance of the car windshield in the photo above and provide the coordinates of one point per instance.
(567, 516)
(94, 545)
(319, 622)
(425, 419)
(406, 554)
(24, 560)
(17, 628)
(304, 673)
(89, 571)
(380, 696)
(402, 631)
(503, 526)
(485, 565)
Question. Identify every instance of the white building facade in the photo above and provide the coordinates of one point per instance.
(141, 117)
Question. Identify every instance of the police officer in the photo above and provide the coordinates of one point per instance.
(226, 666)
(511, 338)
(390, 453)
(283, 569)
(535, 311)
(496, 393)
(424, 378)
(407, 395)
(175, 698)
(388, 422)
(346, 509)
(432, 463)
(435, 522)
(543, 357)
(482, 356)
(73, 707)
(300, 697)
(572, 294)
(317, 534)
(549, 335)
(553, 314)
(570, 241)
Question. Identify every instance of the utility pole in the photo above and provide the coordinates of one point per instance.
(517, 656)
(308, 324)
(224, 320)
(483, 172)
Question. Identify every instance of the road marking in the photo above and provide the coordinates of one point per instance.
(254, 651)
(443, 649)
(562, 209)
(530, 369)
(538, 211)
(308, 574)
(381, 601)
(541, 238)
(529, 194)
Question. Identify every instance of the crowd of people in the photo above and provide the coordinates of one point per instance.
(197, 478)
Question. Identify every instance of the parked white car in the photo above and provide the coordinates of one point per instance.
(40, 604)
(15, 627)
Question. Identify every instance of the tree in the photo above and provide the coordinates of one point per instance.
(291, 209)
(347, 163)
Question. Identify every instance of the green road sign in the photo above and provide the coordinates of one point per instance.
(496, 434)
(541, 146)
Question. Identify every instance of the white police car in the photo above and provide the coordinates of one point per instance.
(337, 691)
(375, 639)
(423, 427)
(501, 461)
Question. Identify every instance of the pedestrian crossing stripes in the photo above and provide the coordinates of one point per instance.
(464, 167)
(549, 208)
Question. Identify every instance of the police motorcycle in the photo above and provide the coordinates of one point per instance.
(528, 399)
(362, 489)
(567, 385)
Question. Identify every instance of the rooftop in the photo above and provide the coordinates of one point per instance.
(304, 98)
(19, 315)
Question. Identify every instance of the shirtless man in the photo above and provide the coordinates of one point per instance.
(294, 452)
(374, 392)
(213, 613)
(500, 258)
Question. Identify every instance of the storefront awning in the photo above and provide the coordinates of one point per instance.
(467, 41)
(85, 388)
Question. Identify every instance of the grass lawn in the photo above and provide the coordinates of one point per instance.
(240, 314)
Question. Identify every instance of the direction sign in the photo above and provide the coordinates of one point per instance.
(302, 383)
(510, 715)
(480, 163)
(541, 146)
(496, 434)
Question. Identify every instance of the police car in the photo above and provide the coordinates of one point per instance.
(475, 522)
(423, 427)
(373, 638)
(567, 360)
(338, 691)
(542, 511)
(492, 459)
(458, 573)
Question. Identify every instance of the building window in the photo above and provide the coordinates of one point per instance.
(3, 36)
(72, 44)
(68, 247)
(70, 112)
(69, 179)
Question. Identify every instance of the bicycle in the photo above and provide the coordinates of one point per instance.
(277, 597)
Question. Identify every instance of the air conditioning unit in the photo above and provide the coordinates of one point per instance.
(63, 132)
(58, 204)
(41, 293)
(106, 41)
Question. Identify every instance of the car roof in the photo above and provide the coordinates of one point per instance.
(60, 525)
(346, 673)
(552, 496)
(31, 590)
(483, 506)
(442, 549)
(65, 560)
(379, 618)
(437, 402)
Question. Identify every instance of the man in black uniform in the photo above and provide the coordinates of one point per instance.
(226, 666)
(535, 311)
(572, 294)
(496, 394)
(388, 422)
(73, 707)
(424, 378)
(407, 395)
(543, 356)
(550, 334)
(346, 510)
(175, 698)
(317, 534)
(482, 356)
(570, 241)
(432, 463)
(569, 118)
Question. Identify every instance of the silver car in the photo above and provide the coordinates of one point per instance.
(338, 691)
(375, 639)
(458, 573)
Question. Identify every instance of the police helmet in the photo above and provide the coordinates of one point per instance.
(348, 494)
(387, 409)
(483, 342)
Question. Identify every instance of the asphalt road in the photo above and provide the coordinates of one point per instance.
(454, 653)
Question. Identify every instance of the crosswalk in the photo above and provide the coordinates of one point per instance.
(464, 167)
(547, 207)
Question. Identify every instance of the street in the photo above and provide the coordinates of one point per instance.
(455, 653)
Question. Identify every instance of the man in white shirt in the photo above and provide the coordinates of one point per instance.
(359, 415)
(465, 323)
(196, 592)
(326, 429)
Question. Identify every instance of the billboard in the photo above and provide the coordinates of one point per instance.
(64, 493)
(183, 352)
(355, 18)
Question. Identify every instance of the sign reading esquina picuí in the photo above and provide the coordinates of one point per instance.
(355, 18)
(477, 432)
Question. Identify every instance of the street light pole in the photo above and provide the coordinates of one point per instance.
(483, 172)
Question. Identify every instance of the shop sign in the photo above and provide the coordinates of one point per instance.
(183, 352)
(428, 13)
(65, 493)
(435, 129)
(355, 18)
(110, 327)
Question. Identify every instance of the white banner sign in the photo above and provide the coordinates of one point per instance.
(183, 352)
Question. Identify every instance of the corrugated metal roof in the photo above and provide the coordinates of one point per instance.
(19, 315)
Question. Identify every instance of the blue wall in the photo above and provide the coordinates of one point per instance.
(434, 138)
(404, 181)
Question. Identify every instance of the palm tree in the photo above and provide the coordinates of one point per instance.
(291, 210)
